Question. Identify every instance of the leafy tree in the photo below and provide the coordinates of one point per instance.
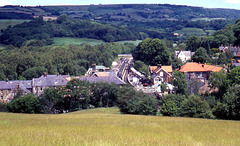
(179, 83)
(34, 72)
(230, 107)
(201, 56)
(141, 67)
(234, 75)
(51, 101)
(163, 87)
(77, 94)
(26, 104)
(133, 102)
(193, 106)
(220, 81)
(152, 51)
(193, 43)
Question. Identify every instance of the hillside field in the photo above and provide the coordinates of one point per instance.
(109, 127)
(79, 41)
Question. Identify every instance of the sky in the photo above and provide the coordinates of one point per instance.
(231, 4)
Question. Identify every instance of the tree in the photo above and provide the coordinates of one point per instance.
(179, 83)
(152, 51)
(51, 101)
(26, 104)
(134, 102)
(201, 56)
(220, 81)
(193, 106)
(234, 75)
(193, 43)
(230, 106)
(77, 94)
(141, 67)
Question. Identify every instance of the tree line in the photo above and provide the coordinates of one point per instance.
(64, 26)
(30, 62)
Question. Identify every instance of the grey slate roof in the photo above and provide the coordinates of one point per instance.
(110, 79)
(50, 80)
(236, 64)
(11, 85)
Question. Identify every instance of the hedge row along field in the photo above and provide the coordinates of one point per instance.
(108, 127)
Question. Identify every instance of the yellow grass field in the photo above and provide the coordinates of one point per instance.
(108, 127)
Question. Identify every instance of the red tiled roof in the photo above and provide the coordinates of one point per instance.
(211, 67)
(196, 67)
(192, 67)
(166, 68)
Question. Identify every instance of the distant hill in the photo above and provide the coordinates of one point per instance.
(150, 20)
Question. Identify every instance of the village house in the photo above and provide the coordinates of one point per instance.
(160, 74)
(194, 70)
(8, 89)
(184, 56)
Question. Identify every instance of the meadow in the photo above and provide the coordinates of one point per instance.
(93, 42)
(109, 127)
(189, 31)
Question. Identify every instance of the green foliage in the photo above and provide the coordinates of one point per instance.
(163, 87)
(26, 104)
(141, 67)
(31, 62)
(179, 83)
(230, 107)
(193, 106)
(3, 107)
(132, 102)
(169, 108)
(64, 26)
(234, 75)
(201, 56)
(51, 101)
(193, 43)
(152, 51)
(34, 72)
(220, 81)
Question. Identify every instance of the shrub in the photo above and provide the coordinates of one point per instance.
(169, 108)
(26, 104)
(193, 106)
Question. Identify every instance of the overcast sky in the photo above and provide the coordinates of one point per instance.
(235, 4)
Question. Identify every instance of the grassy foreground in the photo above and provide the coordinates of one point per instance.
(108, 127)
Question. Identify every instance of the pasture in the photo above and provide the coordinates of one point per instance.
(109, 127)
(93, 42)
(189, 31)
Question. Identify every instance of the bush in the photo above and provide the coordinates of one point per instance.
(132, 102)
(193, 106)
(169, 108)
(26, 104)
(3, 107)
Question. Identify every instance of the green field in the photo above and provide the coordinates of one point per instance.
(4, 23)
(189, 31)
(2, 46)
(132, 42)
(108, 127)
(78, 41)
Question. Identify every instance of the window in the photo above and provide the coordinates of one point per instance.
(161, 73)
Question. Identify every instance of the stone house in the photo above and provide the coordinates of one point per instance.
(160, 74)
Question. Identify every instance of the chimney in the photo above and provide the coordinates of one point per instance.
(159, 65)
(45, 74)
(94, 67)
(17, 85)
(58, 74)
(7, 80)
(224, 66)
(203, 65)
